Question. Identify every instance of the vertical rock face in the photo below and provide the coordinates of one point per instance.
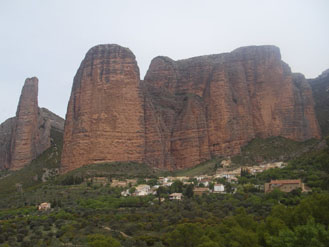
(27, 135)
(105, 116)
(6, 135)
(184, 112)
(212, 105)
(320, 87)
(26, 132)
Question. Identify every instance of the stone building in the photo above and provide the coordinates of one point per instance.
(284, 185)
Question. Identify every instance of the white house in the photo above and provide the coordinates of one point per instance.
(175, 196)
(199, 178)
(182, 179)
(167, 184)
(205, 182)
(143, 190)
(125, 193)
(219, 188)
(44, 206)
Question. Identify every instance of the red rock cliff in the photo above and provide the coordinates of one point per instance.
(105, 116)
(212, 105)
(184, 112)
(26, 131)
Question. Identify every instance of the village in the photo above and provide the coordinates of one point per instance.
(174, 188)
(225, 180)
(222, 181)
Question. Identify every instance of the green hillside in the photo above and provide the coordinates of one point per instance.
(272, 149)
(255, 152)
(113, 170)
(96, 215)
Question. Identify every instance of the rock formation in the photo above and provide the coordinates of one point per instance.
(320, 87)
(105, 116)
(6, 135)
(184, 112)
(212, 105)
(27, 135)
(23, 146)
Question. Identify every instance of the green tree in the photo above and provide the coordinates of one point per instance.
(177, 186)
(141, 181)
(211, 186)
(189, 191)
(309, 235)
(99, 240)
(132, 190)
(160, 192)
(186, 235)
(152, 182)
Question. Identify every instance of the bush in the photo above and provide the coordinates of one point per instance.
(99, 240)
(72, 180)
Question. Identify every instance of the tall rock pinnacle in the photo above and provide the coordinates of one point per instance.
(24, 137)
(105, 116)
(26, 131)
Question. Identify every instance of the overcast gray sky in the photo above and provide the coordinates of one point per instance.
(49, 38)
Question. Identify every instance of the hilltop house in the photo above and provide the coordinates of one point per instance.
(219, 188)
(143, 190)
(118, 183)
(182, 179)
(205, 181)
(175, 196)
(199, 191)
(44, 206)
(284, 185)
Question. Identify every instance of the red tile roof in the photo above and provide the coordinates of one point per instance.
(296, 181)
(200, 189)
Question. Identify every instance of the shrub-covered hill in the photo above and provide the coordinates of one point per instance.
(312, 167)
(272, 149)
(91, 214)
(45, 167)
(113, 170)
(256, 152)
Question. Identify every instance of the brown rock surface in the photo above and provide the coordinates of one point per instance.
(229, 98)
(6, 134)
(23, 146)
(184, 112)
(320, 88)
(27, 135)
(105, 116)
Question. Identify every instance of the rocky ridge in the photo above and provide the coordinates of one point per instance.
(184, 112)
